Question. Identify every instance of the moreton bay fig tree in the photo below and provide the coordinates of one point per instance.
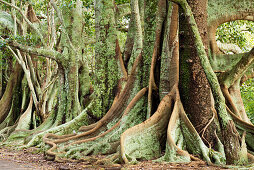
(132, 79)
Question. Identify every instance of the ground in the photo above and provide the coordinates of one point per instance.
(28, 159)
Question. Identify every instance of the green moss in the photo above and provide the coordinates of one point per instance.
(143, 146)
(217, 8)
(172, 156)
(166, 57)
(66, 128)
(108, 143)
(150, 22)
(225, 62)
(107, 72)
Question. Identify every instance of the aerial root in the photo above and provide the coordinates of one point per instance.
(230, 101)
(152, 85)
(205, 128)
(120, 57)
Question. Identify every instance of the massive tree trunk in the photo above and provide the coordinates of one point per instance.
(194, 88)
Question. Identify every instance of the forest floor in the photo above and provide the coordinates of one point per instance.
(28, 159)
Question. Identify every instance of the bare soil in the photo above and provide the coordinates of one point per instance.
(27, 159)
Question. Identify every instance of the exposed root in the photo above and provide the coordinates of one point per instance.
(108, 161)
(230, 101)
(152, 85)
(117, 107)
(65, 138)
(140, 94)
(94, 129)
(120, 57)
(181, 136)
(4, 133)
(87, 128)
(137, 141)
(66, 128)
(174, 152)
(244, 126)
(25, 119)
(53, 143)
(204, 129)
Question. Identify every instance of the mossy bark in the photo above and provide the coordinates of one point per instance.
(69, 104)
(124, 130)
(194, 86)
(230, 137)
(170, 52)
(107, 73)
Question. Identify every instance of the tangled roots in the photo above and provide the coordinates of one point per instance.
(78, 146)
(143, 141)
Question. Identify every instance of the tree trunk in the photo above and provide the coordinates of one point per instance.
(107, 72)
(194, 87)
(13, 85)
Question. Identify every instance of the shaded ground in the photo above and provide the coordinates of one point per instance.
(28, 159)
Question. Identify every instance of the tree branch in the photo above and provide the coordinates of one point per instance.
(225, 47)
(26, 19)
(213, 25)
(229, 77)
(60, 16)
(52, 54)
(247, 77)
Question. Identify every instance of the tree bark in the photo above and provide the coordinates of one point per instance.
(194, 87)
(13, 84)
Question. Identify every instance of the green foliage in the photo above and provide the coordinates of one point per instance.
(239, 32)
(122, 1)
(247, 92)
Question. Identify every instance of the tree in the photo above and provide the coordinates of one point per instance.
(190, 105)
(236, 37)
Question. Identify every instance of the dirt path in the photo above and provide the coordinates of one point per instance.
(10, 165)
(30, 160)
